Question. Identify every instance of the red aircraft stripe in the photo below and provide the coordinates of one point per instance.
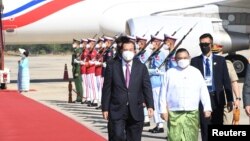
(38, 13)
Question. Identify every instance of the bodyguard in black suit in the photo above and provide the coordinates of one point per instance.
(216, 75)
(126, 86)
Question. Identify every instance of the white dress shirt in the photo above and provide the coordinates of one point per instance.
(183, 89)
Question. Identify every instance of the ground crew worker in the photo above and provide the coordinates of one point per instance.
(156, 80)
(76, 69)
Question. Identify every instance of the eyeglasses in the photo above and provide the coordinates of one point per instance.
(204, 44)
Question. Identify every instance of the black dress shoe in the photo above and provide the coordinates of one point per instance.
(150, 130)
(92, 104)
(146, 124)
(158, 130)
(86, 102)
(77, 101)
(99, 107)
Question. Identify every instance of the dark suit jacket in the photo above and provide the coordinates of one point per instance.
(115, 94)
(221, 78)
(246, 88)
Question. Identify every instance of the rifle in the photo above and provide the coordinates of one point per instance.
(94, 36)
(111, 46)
(145, 34)
(176, 31)
(143, 50)
(175, 48)
(158, 50)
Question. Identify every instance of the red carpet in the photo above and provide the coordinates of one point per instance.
(22, 119)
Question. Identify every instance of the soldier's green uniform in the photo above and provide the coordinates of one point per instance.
(76, 71)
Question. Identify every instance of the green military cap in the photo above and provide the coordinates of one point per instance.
(76, 41)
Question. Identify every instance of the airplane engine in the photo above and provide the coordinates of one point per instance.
(232, 42)
(189, 29)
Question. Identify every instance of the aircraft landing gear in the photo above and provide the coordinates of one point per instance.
(240, 64)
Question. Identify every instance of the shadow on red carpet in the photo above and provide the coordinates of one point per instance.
(23, 119)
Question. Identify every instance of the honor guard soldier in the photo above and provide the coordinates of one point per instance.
(132, 38)
(90, 70)
(107, 56)
(98, 69)
(169, 41)
(156, 59)
(84, 55)
(143, 56)
(119, 40)
(108, 52)
(76, 69)
(144, 52)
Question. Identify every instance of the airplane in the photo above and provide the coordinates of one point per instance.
(58, 21)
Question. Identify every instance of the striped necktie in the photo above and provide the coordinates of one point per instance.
(127, 77)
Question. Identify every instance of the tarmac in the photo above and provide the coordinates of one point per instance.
(48, 87)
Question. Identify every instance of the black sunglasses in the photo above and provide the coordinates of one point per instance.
(204, 44)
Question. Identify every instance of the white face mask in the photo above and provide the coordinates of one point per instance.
(97, 46)
(87, 46)
(114, 45)
(81, 45)
(103, 45)
(74, 45)
(136, 46)
(151, 47)
(183, 63)
(128, 55)
(166, 47)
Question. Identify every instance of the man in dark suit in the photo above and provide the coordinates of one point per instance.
(215, 73)
(126, 86)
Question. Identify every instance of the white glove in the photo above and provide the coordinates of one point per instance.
(159, 72)
(82, 63)
(91, 62)
(97, 63)
(104, 65)
(76, 61)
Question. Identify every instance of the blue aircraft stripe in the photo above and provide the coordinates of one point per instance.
(22, 8)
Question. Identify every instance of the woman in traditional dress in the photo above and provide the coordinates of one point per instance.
(23, 79)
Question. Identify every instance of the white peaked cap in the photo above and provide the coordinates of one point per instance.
(91, 40)
(169, 37)
(84, 40)
(21, 50)
(100, 39)
(141, 38)
(156, 37)
(131, 37)
(108, 38)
